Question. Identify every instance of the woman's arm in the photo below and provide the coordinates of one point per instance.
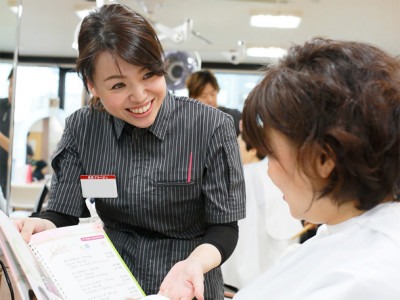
(185, 279)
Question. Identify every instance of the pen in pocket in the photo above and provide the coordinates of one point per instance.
(190, 168)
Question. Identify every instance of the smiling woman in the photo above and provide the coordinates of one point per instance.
(176, 163)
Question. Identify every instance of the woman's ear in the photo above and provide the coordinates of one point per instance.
(91, 88)
(325, 165)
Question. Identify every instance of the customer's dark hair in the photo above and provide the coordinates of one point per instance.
(339, 98)
(118, 30)
(196, 82)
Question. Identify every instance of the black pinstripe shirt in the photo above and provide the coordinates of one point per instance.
(159, 217)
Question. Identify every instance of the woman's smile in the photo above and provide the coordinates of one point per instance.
(141, 111)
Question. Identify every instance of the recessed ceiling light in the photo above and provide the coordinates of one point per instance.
(270, 52)
(275, 20)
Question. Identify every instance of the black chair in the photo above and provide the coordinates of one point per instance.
(42, 198)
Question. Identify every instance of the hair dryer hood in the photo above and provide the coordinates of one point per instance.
(180, 66)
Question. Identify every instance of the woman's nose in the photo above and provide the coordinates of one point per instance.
(137, 92)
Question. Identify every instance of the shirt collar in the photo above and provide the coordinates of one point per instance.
(159, 127)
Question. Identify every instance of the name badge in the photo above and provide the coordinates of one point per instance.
(99, 186)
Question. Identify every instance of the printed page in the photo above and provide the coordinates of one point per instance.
(41, 284)
(85, 263)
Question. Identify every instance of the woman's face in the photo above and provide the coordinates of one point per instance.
(133, 94)
(296, 187)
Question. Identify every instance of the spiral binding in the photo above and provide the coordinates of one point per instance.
(47, 269)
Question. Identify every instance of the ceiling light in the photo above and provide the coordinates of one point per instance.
(277, 20)
(270, 52)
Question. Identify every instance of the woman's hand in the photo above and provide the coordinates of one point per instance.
(184, 281)
(29, 226)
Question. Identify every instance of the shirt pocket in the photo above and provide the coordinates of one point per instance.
(176, 206)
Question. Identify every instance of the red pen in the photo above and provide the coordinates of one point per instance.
(190, 168)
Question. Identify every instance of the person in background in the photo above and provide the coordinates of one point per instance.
(39, 171)
(328, 117)
(5, 111)
(268, 228)
(29, 152)
(176, 163)
(203, 86)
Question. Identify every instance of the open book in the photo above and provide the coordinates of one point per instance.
(74, 262)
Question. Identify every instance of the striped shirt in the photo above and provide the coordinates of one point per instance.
(173, 178)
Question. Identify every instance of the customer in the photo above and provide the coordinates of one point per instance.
(328, 117)
(176, 162)
(203, 86)
(268, 228)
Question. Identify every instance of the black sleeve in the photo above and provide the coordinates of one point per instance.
(236, 115)
(59, 219)
(224, 237)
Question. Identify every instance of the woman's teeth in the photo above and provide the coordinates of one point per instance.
(141, 110)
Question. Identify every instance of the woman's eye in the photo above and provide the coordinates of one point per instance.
(148, 75)
(117, 86)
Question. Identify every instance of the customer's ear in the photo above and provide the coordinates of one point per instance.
(325, 165)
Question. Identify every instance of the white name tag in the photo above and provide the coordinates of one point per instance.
(99, 186)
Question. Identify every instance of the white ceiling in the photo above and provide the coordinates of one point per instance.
(47, 26)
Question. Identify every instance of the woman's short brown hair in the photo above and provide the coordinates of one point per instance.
(118, 30)
(197, 81)
(340, 98)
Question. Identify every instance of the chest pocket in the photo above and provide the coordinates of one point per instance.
(175, 204)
